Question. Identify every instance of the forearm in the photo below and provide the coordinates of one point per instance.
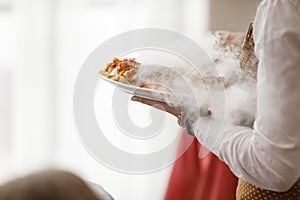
(250, 155)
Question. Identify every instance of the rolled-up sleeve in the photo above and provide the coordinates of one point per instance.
(268, 155)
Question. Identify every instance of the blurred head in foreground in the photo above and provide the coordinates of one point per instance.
(47, 185)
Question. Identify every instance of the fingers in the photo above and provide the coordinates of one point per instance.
(157, 104)
(146, 101)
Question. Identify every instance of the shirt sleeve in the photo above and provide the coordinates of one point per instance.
(268, 155)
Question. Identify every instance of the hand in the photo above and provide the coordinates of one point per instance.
(227, 38)
(158, 104)
(175, 111)
(228, 41)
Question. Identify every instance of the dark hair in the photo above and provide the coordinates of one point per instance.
(47, 185)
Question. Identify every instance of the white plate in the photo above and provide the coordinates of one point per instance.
(147, 93)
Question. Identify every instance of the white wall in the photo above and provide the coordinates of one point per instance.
(232, 15)
(49, 41)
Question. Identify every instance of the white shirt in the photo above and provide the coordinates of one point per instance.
(268, 155)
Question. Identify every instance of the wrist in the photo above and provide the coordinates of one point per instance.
(187, 118)
(181, 118)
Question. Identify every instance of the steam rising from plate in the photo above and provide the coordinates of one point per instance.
(192, 88)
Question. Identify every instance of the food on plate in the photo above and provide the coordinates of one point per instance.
(129, 71)
(121, 70)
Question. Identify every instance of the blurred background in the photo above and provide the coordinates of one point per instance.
(43, 44)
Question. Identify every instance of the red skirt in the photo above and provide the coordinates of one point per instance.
(195, 178)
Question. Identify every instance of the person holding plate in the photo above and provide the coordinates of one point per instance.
(265, 157)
